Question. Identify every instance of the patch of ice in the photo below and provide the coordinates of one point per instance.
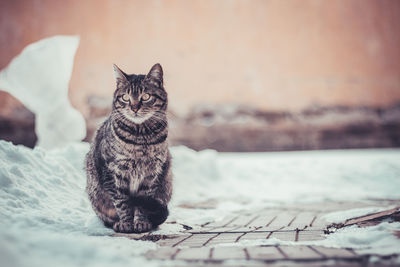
(39, 78)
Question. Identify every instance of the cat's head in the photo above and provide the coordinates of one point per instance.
(140, 97)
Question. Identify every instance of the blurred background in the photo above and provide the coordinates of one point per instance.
(260, 75)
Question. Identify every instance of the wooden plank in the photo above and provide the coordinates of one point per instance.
(374, 216)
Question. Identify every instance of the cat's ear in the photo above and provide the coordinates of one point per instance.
(119, 74)
(155, 75)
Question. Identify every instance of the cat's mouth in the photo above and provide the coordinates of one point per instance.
(138, 118)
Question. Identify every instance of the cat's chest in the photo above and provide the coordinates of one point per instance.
(138, 167)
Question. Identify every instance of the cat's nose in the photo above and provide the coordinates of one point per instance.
(135, 109)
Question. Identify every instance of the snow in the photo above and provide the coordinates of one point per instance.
(377, 239)
(239, 180)
(47, 216)
(39, 78)
(316, 175)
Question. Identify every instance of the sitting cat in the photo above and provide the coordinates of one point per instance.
(129, 178)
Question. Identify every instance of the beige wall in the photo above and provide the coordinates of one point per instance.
(282, 54)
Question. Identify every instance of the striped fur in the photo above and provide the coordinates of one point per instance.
(129, 179)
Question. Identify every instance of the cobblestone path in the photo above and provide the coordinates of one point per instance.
(228, 242)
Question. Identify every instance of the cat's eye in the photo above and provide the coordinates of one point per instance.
(125, 97)
(145, 97)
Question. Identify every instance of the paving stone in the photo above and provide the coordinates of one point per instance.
(299, 252)
(319, 223)
(172, 240)
(264, 219)
(302, 221)
(228, 253)
(223, 229)
(223, 222)
(224, 238)
(281, 221)
(254, 236)
(242, 220)
(197, 240)
(264, 253)
(244, 229)
(227, 236)
(310, 235)
(334, 252)
(211, 243)
(164, 253)
(202, 253)
(284, 236)
(270, 223)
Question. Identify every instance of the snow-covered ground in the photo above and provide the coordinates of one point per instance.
(39, 78)
(46, 218)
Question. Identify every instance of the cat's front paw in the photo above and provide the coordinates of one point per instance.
(142, 226)
(123, 227)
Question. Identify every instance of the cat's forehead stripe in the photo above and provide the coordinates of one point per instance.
(135, 87)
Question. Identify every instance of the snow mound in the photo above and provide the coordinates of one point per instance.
(39, 78)
(377, 239)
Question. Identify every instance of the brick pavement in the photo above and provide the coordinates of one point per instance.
(227, 242)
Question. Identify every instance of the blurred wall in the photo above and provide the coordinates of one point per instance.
(275, 55)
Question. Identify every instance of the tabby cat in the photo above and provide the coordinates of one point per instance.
(129, 178)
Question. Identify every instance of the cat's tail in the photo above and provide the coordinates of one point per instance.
(157, 212)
